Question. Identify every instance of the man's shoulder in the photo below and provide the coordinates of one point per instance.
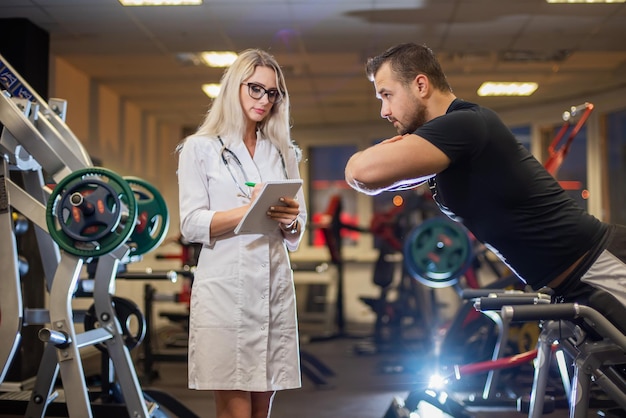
(460, 104)
(461, 111)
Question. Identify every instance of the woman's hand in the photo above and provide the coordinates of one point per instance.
(285, 215)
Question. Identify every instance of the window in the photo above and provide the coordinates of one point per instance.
(616, 165)
(327, 182)
(522, 134)
(572, 171)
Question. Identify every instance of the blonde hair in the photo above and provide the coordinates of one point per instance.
(225, 117)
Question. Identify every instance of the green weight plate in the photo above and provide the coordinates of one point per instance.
(152, 217)
(438, 252)
(91, 212)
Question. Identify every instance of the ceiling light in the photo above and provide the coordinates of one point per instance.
(586, 1)
(160, 2)
(218, 58)
(211, 89)
(492, 88)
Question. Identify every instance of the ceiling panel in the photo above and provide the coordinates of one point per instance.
(571, 50)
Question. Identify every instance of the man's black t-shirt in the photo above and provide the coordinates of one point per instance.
(505, 197)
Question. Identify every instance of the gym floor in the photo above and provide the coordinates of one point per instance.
(363, 385)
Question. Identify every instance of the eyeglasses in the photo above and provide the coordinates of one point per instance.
(257, 92)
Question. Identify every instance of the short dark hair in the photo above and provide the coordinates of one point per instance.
(407, 61)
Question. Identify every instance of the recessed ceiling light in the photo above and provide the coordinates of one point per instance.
(493, 88)
(160, 2)
(218, 58)
(211, 90)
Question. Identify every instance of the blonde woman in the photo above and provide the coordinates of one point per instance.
(243, 338)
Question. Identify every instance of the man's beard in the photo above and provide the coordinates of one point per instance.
(416, 118)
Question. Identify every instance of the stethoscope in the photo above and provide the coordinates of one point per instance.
(226, 151)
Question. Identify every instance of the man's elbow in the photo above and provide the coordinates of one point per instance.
(358, 171)
(360, 182)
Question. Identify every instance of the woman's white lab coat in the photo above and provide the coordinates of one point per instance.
(243, 328)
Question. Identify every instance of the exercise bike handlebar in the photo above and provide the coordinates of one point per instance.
(483, 293)
(494, 303)
(566, 311)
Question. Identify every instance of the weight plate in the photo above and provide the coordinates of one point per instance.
(91, 212)
(131, 319)
(438, 252)
(88, 210)
(152, 217)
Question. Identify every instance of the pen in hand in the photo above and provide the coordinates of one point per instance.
(250, 184)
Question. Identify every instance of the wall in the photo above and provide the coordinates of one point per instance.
(118, 136)
(122, 138)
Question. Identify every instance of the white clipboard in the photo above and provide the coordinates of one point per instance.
(256, 221)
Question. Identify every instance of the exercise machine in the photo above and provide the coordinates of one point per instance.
(439, 253)
(590, 336)
(583, 343)
(153, 350)
(402, 310)
(447, 389)
(90, 213)
(587, 345)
